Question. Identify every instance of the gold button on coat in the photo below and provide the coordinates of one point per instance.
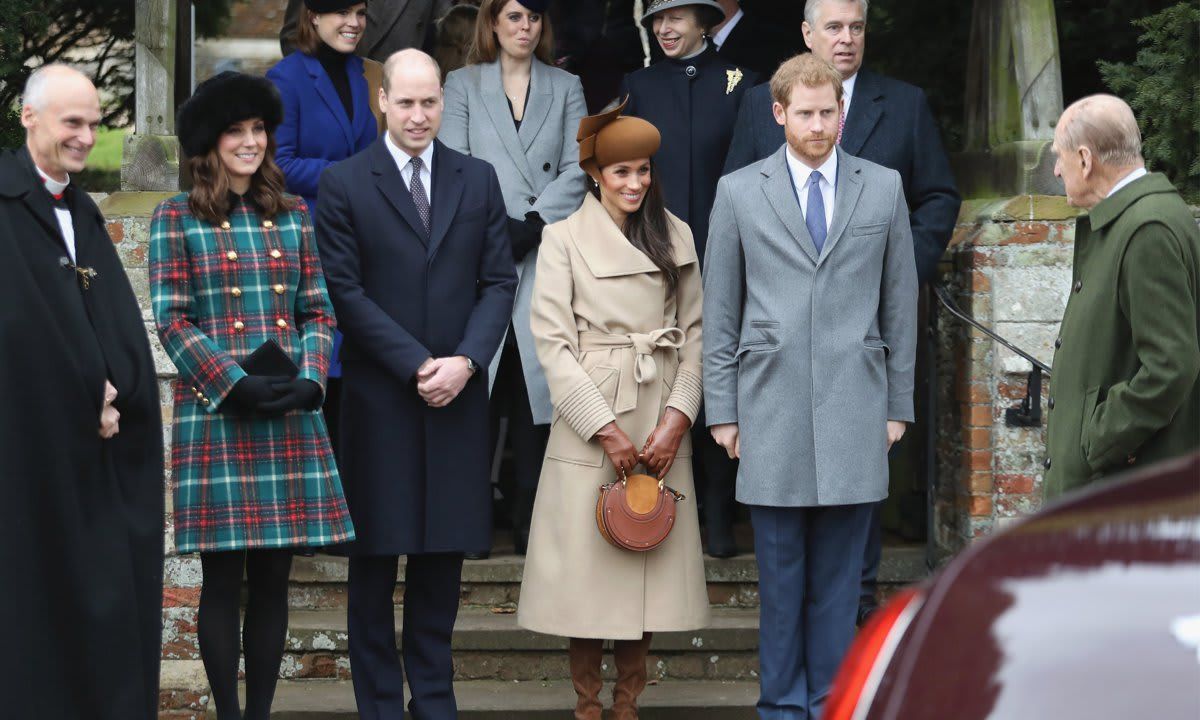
(281, 323)
(279, 289)
(236, 292)
(276, 254)
(225, 225)
(268, 224)
(231, 256)
(239, 326)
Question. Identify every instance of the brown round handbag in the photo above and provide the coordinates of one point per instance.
(637, 512)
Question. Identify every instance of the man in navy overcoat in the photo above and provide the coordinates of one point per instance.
(413, 237)
(887, 122)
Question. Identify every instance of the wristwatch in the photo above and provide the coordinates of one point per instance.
(471, 365)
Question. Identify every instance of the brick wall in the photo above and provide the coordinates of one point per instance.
(1010, 268)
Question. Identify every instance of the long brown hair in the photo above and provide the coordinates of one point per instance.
(648, 229)
(486, 48)
(306, 38)
(209, 197)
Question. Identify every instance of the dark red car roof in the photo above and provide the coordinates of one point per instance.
(1086, 610)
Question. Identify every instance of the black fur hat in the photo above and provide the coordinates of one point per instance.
(220, 101)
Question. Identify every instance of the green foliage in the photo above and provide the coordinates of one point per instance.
(94, 35)
(1163, 87)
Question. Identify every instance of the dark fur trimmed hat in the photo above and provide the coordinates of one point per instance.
(221, 101)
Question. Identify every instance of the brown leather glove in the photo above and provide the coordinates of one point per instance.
(619, 448)
(658, 454)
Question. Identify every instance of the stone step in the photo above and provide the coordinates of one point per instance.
(491, 646)
(319, 582)
(499, 700)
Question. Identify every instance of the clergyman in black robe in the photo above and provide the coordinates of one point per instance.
(81, 514)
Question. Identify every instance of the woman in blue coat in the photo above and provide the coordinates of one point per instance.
(327, 117)
(692, 96)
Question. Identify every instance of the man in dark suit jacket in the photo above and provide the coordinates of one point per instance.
(745, 38)
(887, 122)
(392, 25)
(414, 240)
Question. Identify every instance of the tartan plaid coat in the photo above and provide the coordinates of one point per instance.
(218, 293)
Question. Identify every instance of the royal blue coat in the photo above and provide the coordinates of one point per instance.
(315, 132)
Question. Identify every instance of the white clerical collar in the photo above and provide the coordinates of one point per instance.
(55, 187)
(402, 158)
(802, 172)
(723, 34)
(1140, 172)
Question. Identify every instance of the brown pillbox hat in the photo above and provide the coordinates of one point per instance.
(608, 138)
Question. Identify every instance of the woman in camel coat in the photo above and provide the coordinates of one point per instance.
(616, 321)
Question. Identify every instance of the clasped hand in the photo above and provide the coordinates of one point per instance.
(440, 380)
(658, 452)
(109, 416)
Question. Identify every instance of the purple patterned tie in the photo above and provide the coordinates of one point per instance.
(420, 199)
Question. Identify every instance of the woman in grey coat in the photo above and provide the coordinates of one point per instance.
(511, 107)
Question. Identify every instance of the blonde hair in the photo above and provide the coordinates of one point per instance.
(805, 68)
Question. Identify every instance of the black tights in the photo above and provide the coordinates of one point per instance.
(263, 633)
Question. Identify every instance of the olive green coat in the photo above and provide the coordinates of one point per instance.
(1124, 389)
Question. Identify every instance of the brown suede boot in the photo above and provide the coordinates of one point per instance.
(585, 655)
(630, 656)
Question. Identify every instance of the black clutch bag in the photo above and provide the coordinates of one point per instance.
(270, 359)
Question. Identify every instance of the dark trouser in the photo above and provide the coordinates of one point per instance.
(808, 579)
(871, 556)
(510, 399)
(715, 474)
(431, 587)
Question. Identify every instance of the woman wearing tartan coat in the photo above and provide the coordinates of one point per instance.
(233, 265)
(616, 316)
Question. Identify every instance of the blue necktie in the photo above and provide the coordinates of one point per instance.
(815, 217)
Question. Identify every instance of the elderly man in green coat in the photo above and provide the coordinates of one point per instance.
(1125, 390)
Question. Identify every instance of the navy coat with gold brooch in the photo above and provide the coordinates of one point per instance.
(694, 104)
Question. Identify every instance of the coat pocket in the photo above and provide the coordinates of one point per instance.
(1090, 400)
(877, 343)
(869, 229)
(759, 336)
(565, 444)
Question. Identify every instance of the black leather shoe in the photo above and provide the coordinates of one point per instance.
(721, 544)
(477, 555)
(866, 608)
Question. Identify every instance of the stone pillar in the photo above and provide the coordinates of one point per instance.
(1011, 270)
(151, 157)
(1013, 100)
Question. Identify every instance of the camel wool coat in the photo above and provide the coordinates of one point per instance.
(615, 345)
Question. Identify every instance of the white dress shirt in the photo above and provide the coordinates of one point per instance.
(402, 161)
(848, 93)
(1140, 172)
(62, 215)
(828, 182)
(723, 34)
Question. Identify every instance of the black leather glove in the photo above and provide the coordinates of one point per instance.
(252, 391)
(298, 394)
(525, 235)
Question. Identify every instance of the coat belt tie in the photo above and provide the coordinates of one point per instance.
(638, 364)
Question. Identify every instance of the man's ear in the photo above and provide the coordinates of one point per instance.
(28, 116)
(806, 31)
(383, 103)
(1087, 162)
(780, 113)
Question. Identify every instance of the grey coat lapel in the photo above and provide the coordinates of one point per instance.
(849, 188)
(491, 87)
(538, 106)
(777, 186)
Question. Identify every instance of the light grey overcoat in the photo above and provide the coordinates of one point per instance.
(811, 356)
(538, 169)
